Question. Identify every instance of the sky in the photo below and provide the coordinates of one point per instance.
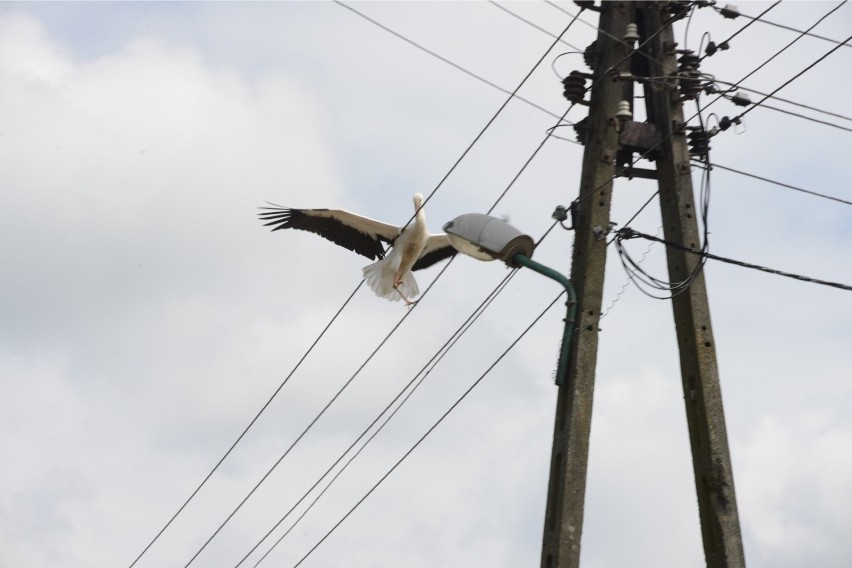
(147, 316)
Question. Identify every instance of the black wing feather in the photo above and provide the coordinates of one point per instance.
(434, 256)
(327, 227)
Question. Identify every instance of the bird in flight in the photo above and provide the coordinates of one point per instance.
(390, 277)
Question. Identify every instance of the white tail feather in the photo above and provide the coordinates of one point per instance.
(379, 277)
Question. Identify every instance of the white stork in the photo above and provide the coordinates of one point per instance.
(412, 247)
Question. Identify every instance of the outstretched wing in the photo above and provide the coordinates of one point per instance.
(437, 248)
(359, 234)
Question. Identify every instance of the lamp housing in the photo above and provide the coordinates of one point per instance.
(488, 238)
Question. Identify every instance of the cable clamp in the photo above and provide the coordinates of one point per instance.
(627, 233)
(601, 233)
(561, 214)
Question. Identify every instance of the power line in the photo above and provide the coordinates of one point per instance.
(643, 279)
(628, 233)
(532, 24)
(788, 101)
(782, 26)
(796, 76)
(430, 430)
(527, 163)
(305, 431)
(802, 116)
(780, 51)
(253, 420)
(644, 205)
(745, 27)
(422, 374)
(512, 95)
(449, 62)
(564, 11)
(782, 184)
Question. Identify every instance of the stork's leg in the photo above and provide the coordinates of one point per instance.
(396, 286)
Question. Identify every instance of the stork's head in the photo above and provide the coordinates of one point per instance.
(418, 203)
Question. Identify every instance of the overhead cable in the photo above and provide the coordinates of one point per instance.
(793, 78)
(310, 425)
(782, 184)
(430, 430)
(745, 27)
(407, 391)
(531, 24)
(628, 233)
(250, 424)
(802, 116)
(449, 62)
(782, 26)
(642, 279)
(779, 52)
(788, 101)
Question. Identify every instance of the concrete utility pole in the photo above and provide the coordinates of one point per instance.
(567, 487)
(610, 140)
(711, 459)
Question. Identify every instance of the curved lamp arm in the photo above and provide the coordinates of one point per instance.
(571, 302)
(488, 238)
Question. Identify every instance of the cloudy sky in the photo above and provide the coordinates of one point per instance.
(147, 316)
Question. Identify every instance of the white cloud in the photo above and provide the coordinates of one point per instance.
(147, 315)
(791, 469)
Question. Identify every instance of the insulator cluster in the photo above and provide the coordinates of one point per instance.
(726, 122)
(581, 129)
(590, 55)
(575, 87)
(677, 8)
(689, 76)
(699, 142)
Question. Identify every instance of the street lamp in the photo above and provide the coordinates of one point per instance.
(487, 238)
